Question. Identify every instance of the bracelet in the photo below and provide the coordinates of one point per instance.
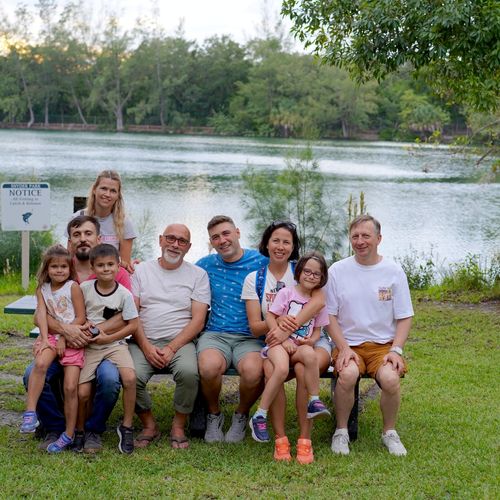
(397, 350)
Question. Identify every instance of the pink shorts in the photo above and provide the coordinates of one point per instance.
(71, 357)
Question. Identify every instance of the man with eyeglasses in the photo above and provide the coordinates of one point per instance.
(370, 310)
(172, 297)
(227, 340)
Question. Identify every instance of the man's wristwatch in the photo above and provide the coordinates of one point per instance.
(396, 349)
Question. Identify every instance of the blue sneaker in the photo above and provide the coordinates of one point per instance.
(63, 442)
(259, 429)
(30, 422)
(317, 408)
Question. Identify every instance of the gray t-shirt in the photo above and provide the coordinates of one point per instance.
(165, 296)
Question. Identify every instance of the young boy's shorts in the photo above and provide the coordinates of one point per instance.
(71, 357)
(118, 354)
(371, 357)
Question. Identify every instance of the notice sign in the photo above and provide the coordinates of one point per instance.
(25, 206)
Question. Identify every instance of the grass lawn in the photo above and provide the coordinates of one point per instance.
(449, 422)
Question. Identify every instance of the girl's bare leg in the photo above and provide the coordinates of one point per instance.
(37, 377)
(71, 376)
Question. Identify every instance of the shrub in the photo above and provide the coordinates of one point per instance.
(420, 269)
(10, 249)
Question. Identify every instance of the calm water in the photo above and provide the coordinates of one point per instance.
(190, 179)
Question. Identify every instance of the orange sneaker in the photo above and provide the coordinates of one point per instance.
(305, 453)
(282, 449)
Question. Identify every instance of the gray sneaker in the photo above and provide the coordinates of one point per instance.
(93, 442)
(50, 438)
(214, 433)
(340, 442)
(393, 443)
(236, 432)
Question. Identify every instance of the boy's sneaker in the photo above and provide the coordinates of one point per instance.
(126, 434)
(393, 443)
(317, 408)
(78, 441)
(340, 442)
(305, 453)
(282, 449)
(93, 442)
(236, 432)
(259, 429)
(61, 444)
(214, 433)
(30, 422)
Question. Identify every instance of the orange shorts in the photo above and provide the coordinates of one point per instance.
(371, 357)
(71, 357)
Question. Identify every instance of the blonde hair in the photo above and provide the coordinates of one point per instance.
(54, 252)
(118, 210)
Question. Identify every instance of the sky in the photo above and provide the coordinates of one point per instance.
(202, 18)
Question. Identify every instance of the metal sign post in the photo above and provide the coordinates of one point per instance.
(25, 208)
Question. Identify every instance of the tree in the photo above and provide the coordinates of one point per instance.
(296, 193)
(453, 44)
(418, 114)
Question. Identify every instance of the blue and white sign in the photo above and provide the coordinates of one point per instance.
(25, 206)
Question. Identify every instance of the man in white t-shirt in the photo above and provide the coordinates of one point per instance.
(370, 309)
(172, 297)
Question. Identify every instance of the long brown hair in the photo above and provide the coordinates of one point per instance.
(54, 252)
(118, 210)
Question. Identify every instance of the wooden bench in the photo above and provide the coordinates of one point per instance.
(197, 422)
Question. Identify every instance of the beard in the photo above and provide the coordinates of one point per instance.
(82, 253)
(168, 258)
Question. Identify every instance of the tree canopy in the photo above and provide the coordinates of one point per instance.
(454, 44)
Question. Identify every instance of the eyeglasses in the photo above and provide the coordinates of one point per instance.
(170, 238)
(310, 272)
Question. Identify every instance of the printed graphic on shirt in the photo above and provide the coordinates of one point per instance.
(384, 293)
(293, 309)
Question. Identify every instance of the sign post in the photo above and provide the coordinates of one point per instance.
(25, 208)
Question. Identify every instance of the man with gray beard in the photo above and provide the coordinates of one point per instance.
(172, 297)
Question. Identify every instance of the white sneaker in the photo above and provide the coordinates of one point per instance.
(236, 432)
(340, 442)
(214, 433)
(393, 443)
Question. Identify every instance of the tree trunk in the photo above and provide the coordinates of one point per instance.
(30, 105)
(46, 111)
(345, 129)
(78, 107)
(119, 118)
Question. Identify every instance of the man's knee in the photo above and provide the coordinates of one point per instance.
(108, 377)
(211, 364)
(388, 379)
(348, 376)
(250, 368)
(127, 377)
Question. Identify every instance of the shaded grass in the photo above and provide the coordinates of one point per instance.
(449, 423)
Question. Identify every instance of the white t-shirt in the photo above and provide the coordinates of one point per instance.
(368, 300)
(99, 307)
(165, 296)
(270, 288)
(108, 231)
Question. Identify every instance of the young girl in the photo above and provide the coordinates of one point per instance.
(310, 273)
(105, 202)
(59, 296)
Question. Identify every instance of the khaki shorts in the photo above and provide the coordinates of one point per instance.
(371, 357)
(233, 346)
(118, 354)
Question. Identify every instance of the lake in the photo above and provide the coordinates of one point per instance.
(425, 199)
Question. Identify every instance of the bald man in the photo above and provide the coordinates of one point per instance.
(172, 297)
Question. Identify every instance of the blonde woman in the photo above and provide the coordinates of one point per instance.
(105, 203)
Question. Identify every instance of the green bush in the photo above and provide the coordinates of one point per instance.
(472, 274)
(10, 249)
(420, 269)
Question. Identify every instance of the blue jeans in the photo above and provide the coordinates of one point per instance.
(107, 389)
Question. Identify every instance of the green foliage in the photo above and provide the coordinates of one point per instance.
(10, 249)
(420, 269)
(472, 274)
(295, 193)
(453, 45)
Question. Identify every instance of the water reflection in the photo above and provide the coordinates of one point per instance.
(426, 198)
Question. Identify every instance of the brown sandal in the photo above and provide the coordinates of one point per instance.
(144, 440)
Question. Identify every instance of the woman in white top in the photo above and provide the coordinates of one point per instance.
(105, 203)
(281, 244)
